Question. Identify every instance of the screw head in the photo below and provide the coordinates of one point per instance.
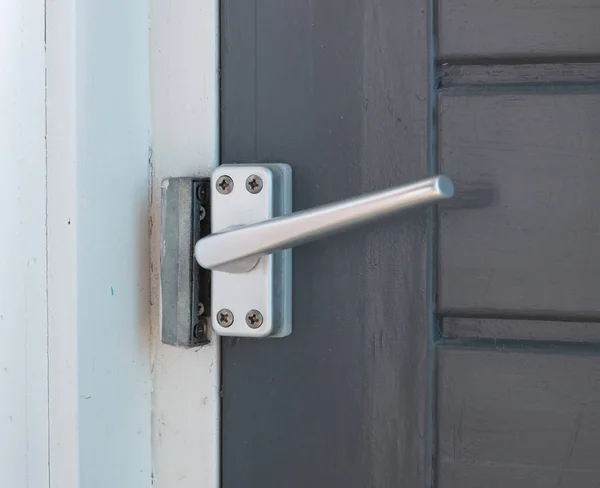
(200, 330)
(201, 213)
(254, 184)
(254, 319)
(201, 193)
(224, 317)
(224, 184)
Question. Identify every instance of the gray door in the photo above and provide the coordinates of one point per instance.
(450, 347)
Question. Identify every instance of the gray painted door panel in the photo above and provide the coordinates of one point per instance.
(454, 347)
(533, 249)
(518, 29)
(518, 417)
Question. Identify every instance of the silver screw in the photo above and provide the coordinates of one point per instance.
(200, 329)
(201, 194)
(254, 319)
(201, 213)
(225, 317)
(254, 184)
(224, 184)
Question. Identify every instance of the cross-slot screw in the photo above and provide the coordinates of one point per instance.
(225, 317)
(254, 184)
(224, 185)
(254, 319)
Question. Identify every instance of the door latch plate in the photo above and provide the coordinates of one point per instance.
(256, 303)
(185, 286)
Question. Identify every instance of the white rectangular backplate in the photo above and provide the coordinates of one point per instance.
(267, 288)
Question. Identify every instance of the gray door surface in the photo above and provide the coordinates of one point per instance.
(455, 346)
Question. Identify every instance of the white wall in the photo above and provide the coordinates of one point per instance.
(23, 323)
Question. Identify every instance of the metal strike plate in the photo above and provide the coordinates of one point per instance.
(256, 303)
(185, 286)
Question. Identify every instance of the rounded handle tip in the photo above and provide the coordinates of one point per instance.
(444, 186)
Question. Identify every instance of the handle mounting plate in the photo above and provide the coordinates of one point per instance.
(258, 302)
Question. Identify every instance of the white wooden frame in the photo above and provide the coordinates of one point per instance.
(23, 268)
(95, 109)
(185, 128)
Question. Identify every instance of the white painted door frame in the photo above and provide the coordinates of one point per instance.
(100, 100)
(23, 268)
(185, 130)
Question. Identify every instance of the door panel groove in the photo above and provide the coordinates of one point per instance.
(563, 74)
(519, 60)
(520, 315)
(525, 89)
(520, 346)
(454, 328)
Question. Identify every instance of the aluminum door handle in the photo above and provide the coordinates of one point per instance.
(238, 249)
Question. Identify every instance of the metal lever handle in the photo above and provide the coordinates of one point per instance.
(239, 249)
